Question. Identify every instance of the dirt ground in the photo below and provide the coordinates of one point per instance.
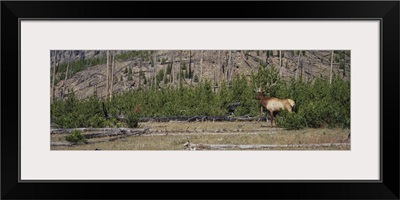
(216, 136)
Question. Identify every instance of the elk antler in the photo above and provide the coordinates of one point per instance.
(259, 89)
(269, 86)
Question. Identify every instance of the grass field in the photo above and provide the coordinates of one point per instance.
(173, 135)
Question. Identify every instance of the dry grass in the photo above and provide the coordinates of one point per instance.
(172, 136)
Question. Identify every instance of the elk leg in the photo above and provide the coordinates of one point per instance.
(272, 117)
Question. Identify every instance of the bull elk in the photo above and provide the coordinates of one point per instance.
(273, 105)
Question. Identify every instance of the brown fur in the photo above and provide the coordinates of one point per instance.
(138, 109)
(274, 105)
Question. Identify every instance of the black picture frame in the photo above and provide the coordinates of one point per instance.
(386, 11)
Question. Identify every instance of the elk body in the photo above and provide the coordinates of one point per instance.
(273, 104)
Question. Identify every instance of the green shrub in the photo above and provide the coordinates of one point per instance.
(76, 137)
(318, 103)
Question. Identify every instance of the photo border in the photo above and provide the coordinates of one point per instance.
(387, 12)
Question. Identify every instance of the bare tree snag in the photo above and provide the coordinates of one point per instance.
(140, 74)
(66, 75)
(228, 71)
(215, 86)
(107, 74)
(112, 75)
(155, 68)
(172, 69)
(280, 63)
(330, 72)
(297, 67)
(201, 65)
(190, 64)
(180, 69)
(165, 74)
(220, 68)
(344, 66)
(54, 77)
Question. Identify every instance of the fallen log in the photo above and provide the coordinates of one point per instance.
(197, 118)
(193, 147)
(108, 140)
(116, 133)
(70, 130)
(60, 144)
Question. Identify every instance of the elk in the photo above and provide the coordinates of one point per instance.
(272, 104)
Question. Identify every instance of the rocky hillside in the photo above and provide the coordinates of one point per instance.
(85, 72)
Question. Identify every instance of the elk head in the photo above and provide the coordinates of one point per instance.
(259, 92)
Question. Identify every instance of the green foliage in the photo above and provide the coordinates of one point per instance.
(76, 137)
(160, 76)
(142, 74)
(169, 68)
(266, 77)
(131, 55)
(190, 75)
(318, 103)
(73, 113)
(186, 74)
(132, 120)
(144, 80)
(196, 78)
(336, 57)
(341, 65)
(130, 77)
(77, 66)
(183, 66)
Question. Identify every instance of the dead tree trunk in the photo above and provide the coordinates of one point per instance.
(165, 74)
(190, 65)
(107, 74)
(297, 68)
(112, 75)
(140, 74)
(172, 69)
(330, 72)
(66, 76)
(201, 65)
(280, 63)
(155, 68)
(54, 77)
(344, 66)
(215, 86)
(180, 69)
(228, 71)
(194, 147)
(221, 73)
(301, 71)
(312, 71)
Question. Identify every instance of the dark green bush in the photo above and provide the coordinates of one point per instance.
(76, 137)
(318, 103)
